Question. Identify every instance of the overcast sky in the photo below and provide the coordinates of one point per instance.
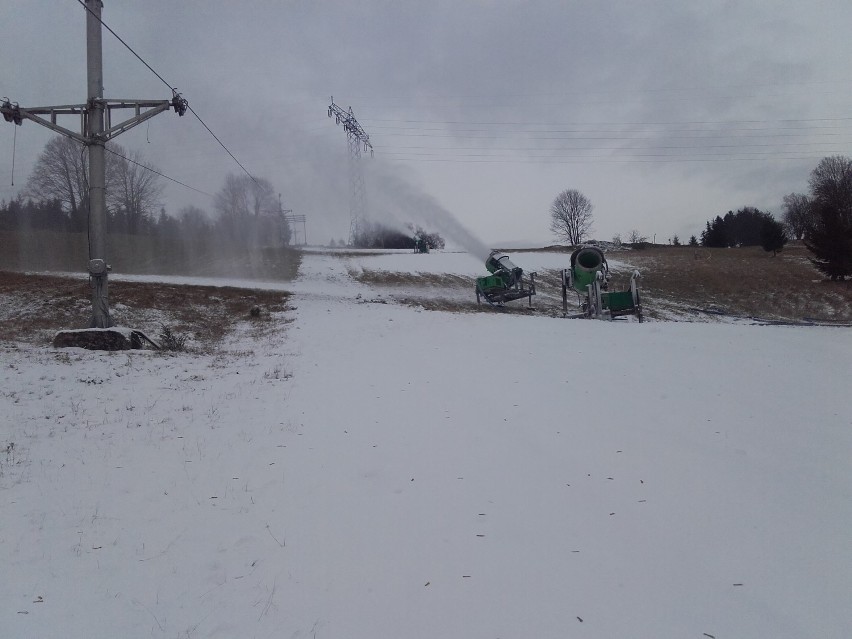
(663, 114)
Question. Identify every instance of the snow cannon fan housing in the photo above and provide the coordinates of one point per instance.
(506, 282)
(501, 266)
(588, 276)
(586, 263)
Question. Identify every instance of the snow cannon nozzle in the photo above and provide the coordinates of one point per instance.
(506, 282)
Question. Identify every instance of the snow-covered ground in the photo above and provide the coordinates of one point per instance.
(375, 470)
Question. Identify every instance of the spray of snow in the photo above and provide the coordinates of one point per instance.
(396, 202)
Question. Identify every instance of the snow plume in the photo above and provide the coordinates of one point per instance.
(394, 201)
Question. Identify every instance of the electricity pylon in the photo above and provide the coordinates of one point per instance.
(357, 139)
(97, 130)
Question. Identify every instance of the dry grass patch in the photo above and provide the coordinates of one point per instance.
(676, 283)
(739, 281)
(413, 280)
(35, 306)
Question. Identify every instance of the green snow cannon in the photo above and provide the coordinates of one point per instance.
(589, 277)
(506, 282)
(586, 263)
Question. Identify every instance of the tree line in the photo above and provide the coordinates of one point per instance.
(822, 219)
(246, 210)
(373, 235)
(749, 226)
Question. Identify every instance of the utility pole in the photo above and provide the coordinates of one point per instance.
(357, 138)
(292, 220)
(97, 168)
(96, 130)
(282, 214)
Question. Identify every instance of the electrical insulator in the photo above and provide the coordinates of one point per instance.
(11, 112)
(179, 104)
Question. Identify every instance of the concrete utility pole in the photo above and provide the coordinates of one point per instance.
(97, 130)
(357, 138)
(97, 168)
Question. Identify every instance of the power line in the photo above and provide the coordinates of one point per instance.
(171, 88)
(602, 160)
(628, 154)
(148, 168)
(404, 131)
(778, 146)
(681, 122)
(129, 48)
(491, 104)
(215, 137)
(650, 138)
(588, 90)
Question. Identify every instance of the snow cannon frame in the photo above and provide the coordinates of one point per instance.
(506, 282)
(589, 277)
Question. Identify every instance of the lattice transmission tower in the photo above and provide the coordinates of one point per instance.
(358, 140)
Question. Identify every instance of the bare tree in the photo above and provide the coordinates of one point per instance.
(248, 211)
(242, 197)
(829, 236)
(635, 237)
(193, 221)
(571, 216)
(797, 214)
(61, 173)
(262, 197)
(231, 202)
(831, 182)
(135, 190)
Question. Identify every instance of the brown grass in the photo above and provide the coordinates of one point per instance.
(676, 283)
(34, 307)
(444, 281)
(745, 282)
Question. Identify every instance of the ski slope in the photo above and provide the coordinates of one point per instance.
(376, 470)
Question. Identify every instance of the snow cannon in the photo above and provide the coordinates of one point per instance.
(589, 278)
(420, 245)
(586, 263)
(506, 282)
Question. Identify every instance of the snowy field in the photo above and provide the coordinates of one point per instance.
(375, 470)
